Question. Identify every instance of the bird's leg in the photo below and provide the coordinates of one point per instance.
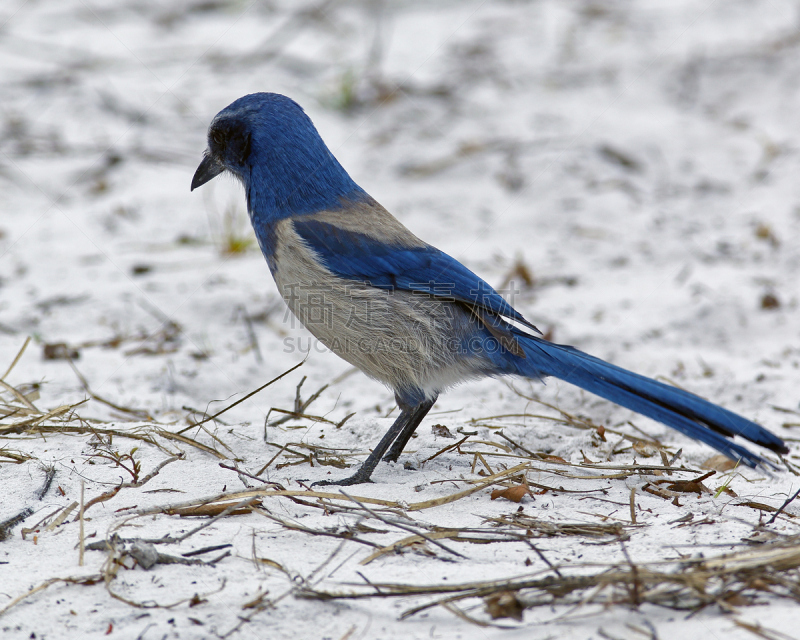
(401, 430)
(419, 412)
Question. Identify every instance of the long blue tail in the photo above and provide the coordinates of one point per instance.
(681, 410)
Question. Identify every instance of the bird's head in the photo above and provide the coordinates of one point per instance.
(268, 142)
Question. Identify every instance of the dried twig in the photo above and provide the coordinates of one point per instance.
(294, 526)
(139, 414)
(300, 405)
(17, 358)
(250, 475)
(783, 506)
(85, 580)
(103, 497)
(10, 523)
(535, 527)
(404, 527)
(684, 584)
(240, 400)
(81, 537)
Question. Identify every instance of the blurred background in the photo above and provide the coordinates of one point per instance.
(630, 166)
(627, 171)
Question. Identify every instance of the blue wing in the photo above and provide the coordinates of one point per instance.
(423, 269)
(413, 266)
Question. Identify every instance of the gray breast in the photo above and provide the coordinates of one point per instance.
(405, 340)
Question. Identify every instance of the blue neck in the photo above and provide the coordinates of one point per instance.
(285, 181)
(289, 170)
(277, 189)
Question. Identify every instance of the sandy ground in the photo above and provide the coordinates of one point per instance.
(640, 159)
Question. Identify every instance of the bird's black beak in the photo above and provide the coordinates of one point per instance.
(208, 169)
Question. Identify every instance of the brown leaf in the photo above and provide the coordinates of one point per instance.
(737, 599)
(441, 431)
(520, 271)
(760, 506)
(515, 493)
(504, 605)
(60, 351)
(758, 583)
(208, 510)
(718, 462)
(645, 449)
(764, 232)
(422, 548)
(196, 600)
(688, 486)
(770, 301)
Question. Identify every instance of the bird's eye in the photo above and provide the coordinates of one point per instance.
(217, 138)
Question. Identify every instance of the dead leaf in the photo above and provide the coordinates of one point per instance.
(645, 449)
(688, 486)
(60, 351)
(764, 232)
(441, 431)
(422, 549)
(196, 600)
(770, 301)
(760, 506)
(737, 599)
(515, 493)
(504, 605)
(718, 462)
(209, 510)
(520, 271)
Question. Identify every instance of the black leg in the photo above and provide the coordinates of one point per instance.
(419, 412)
(403, 427)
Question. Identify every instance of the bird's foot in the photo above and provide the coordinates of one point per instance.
(356, 478)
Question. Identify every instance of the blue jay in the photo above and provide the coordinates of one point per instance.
(399, 309)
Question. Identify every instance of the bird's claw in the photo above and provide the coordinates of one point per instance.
(345, 482)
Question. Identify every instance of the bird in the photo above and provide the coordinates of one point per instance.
(399, 309)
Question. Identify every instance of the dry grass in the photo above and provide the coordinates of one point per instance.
(729, 581)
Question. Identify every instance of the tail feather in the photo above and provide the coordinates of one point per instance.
(679, 409)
